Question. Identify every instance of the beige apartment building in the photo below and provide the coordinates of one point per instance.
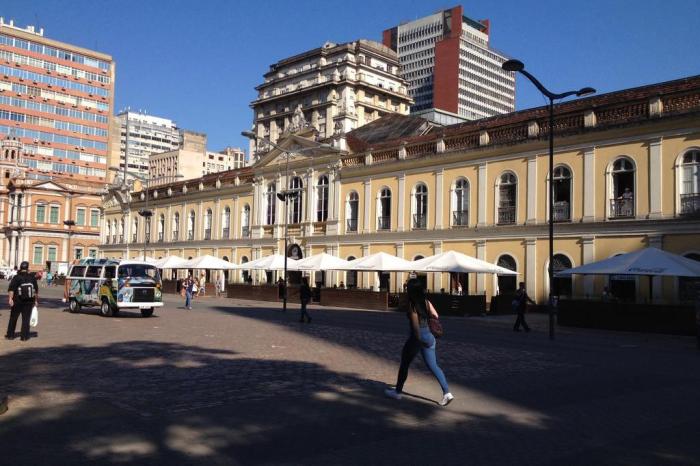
(627, 176)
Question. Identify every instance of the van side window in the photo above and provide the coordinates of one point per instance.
(110, 272)
(93, 271)
(77, 271)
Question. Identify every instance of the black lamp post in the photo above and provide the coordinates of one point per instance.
(518, 66)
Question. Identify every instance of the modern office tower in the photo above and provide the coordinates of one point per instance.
(333, 88)
(145, 135)
(56, 99)
(453, 73)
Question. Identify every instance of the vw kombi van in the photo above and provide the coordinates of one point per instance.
(113, 285)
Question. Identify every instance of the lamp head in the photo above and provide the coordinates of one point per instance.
(585, 91)
(280, 196)
(513, 65)
(249, 135)
(145, 213)
(69, 223)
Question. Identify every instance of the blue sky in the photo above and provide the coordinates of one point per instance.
(198, 62)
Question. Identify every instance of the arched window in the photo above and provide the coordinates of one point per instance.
(689, 288)
(190, 226)
(176, 226)
(245, 221)
(562, 285)
(351, 211)
(460, 203)
(271, 204)
(161, 228)
(109, 232)
(297, 187)
(135, 231)
(506, 283)
(562, 194)
(245, 274)
(351, 276)
(690, 183)
(384, 209)
(121, 230)
(420, 207)
(207, 224)
(507, 198)
(226, 223)
(622, 185)
(322, 199)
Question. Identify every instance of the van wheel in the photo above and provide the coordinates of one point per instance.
(147, 312)
(106, 309)
(73, 306)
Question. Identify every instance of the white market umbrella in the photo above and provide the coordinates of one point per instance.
(271, 262)
(453, 261)
(209, 263)
(380, 261)
(147, 259)
(171, 262)
(321, 261)
(649, 261)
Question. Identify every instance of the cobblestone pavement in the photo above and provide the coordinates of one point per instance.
(235, 382)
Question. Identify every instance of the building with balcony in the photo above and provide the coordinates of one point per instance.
(626, 176)
(56, 99)
(453, 73)
(338, 87)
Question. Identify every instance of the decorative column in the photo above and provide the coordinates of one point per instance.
(401, 203)
(198, 224)
(655, 177)
(588, 257)
(480, 277)
(439, 194)
(216, 221)
(309, 210)
(589, 186)
(168, 227)
(531, 267)
(483, 190)
(531, 191)
(235, 219)
(367, 205)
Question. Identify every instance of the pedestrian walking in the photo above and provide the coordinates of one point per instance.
(188, 284)
(420, 339)
(202, 285)
(220, 285)
(519, 305)
(49, 278)
(23, 296)
(305, 297)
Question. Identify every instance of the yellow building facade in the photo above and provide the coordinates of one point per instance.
(627, 176)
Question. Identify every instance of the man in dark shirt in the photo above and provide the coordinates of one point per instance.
(23, 296)
(520, 305)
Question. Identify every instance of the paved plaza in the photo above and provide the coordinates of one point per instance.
(236, 382)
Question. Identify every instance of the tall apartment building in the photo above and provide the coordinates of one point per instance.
(334, 88)
(231, 158)
(56, 99)
(145, 135)
(451, 69)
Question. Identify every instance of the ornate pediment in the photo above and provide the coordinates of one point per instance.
(300, 146)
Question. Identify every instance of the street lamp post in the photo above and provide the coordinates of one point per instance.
(70, 224)
(285, 195)
(518, 66)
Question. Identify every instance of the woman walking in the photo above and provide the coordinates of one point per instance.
(188, 285)
(305, 297)
(419, 339)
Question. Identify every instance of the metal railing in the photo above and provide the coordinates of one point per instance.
(161, 236)
(383, 223)
(351, 224)
(176, 235)
(207, 234)
(190, 235)
(121, 238)
(225, 233)
(622, 208)
(506, 215)
(245, 232)
(460, 218)
(562, 211)
(690, 204)
(420, 221)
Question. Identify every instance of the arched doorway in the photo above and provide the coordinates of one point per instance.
(351, 276)
(507, 283)
(562, 285)
(245, 274)
(294, 252)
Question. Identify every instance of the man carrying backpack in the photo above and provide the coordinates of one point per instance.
(23, 296)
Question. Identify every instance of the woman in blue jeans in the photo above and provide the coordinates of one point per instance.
(419, 339)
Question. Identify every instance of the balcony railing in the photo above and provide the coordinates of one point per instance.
(225, 233)
(506, 215)
(121, 238)
(690, 204)
(107, 239)
(134, 238)
(190, 235)
(176, 235)
(207, 234)
(245, 232)
(161, 237)
(562, 211)
(460, 218)
(622, 208)
(384, 223)
(420, 221)
(148, 237)
(351, 225)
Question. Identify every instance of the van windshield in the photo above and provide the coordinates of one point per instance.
(139, 274)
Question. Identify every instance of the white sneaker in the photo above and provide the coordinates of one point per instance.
(392, 393)
(447, 399)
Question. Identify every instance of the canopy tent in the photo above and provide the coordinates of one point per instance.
(147, 259)
(271, 262)
(209, 263)
(453, 261)
(171, 262)
(321, 261)
(380, 261)
(649, 261)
